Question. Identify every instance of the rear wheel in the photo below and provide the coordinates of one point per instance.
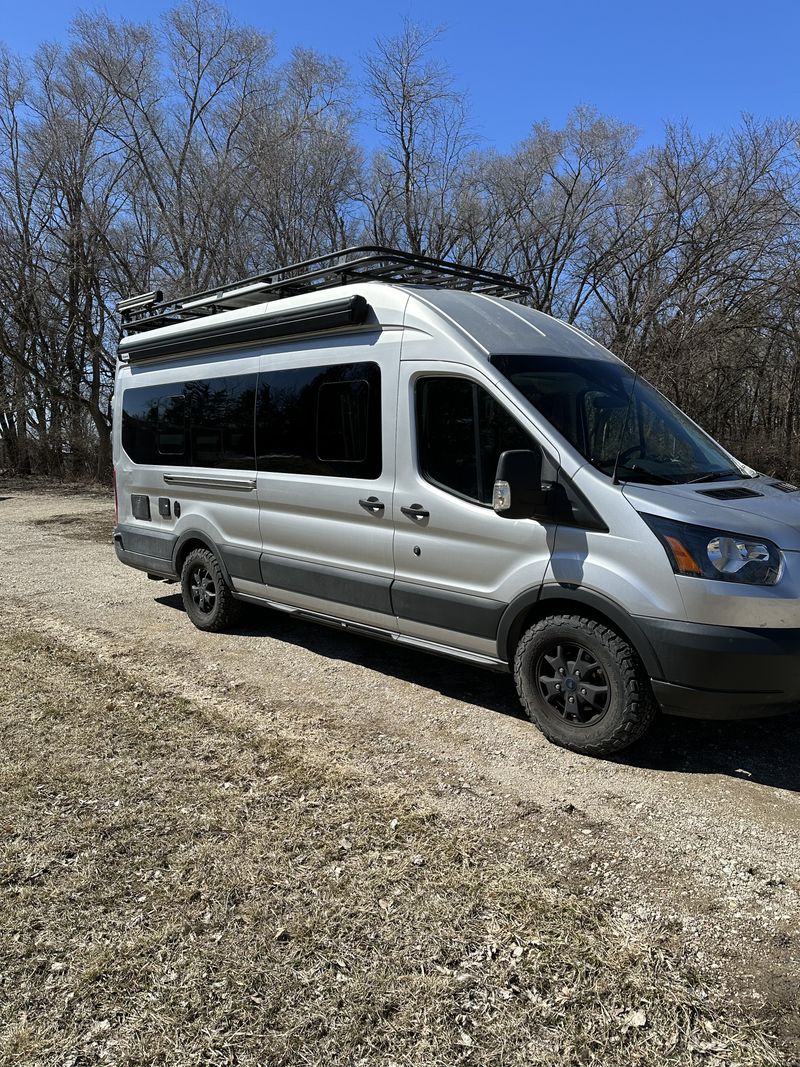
(208, 600)
(583, 685)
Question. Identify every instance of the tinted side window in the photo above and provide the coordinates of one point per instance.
(321, 420)
(171, 426)
(461, 431)
(446, 434)
(202, 423)
(154, 424)
(221, 419)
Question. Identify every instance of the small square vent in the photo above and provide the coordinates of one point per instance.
(785, 487)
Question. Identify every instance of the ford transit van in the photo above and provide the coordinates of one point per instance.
(401, 447)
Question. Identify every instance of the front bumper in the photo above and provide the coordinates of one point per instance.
(724, 672)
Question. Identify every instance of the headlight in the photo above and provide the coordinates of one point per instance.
(703, 552)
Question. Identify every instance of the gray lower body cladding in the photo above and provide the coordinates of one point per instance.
(697, 670)
(146, 550)
(155, 552)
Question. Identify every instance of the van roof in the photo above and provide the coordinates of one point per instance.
(505, 327)
(474, 303)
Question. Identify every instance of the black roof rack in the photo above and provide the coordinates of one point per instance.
(359, 263)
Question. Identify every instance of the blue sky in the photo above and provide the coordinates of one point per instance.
(707, 61)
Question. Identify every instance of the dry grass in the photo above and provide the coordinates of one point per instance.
(177, 892)
(97, 526)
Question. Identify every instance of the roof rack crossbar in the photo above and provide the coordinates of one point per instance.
(358, 263)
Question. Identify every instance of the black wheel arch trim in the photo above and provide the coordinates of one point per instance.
(196, 535)
(510, 627)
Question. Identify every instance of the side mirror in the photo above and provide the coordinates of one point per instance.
(518, 492)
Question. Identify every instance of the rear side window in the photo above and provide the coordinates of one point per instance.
(222, 422)
(321, 421)
(171, 425)
(202, 423)
(461, 432)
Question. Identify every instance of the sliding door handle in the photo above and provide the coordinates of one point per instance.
(416, 511)
(372, 504)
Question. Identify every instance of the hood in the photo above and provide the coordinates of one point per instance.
(760, 507)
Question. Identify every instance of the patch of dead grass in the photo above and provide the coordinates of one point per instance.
(44, 485)
(177, 892)
(97, 526)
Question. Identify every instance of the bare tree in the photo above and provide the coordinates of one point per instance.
(304, 165)
(552, 193)
(412, 189)
(183, 98)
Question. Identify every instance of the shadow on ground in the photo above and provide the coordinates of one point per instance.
(763, 751)
(451, 678)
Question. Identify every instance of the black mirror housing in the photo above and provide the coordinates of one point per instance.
(518, 492)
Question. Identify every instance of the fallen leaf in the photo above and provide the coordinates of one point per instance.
(634, 1018)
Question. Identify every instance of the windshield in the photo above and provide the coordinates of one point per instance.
(616, 421)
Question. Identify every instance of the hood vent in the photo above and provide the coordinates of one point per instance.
(785, 487)
(730, 494)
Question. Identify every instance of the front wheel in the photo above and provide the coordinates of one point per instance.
(583, 685)
(208, 600)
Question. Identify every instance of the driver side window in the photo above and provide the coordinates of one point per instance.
(461, 432)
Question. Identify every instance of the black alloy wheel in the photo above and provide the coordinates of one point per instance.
(202, 588)
(573, 683)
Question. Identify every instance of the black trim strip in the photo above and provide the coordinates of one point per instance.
(460, 612)
(358, 590)
(149, 564)
(241, 562)
(333, 314)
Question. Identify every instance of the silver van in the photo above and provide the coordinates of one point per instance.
(397, 446)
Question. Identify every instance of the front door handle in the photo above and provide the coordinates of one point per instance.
(416, 511)
(372, 504)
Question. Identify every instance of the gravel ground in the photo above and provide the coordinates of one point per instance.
(697, 826)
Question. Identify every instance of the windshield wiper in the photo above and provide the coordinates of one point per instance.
(715, 476)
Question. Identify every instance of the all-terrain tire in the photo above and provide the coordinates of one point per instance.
(620, 706)
(208, 600)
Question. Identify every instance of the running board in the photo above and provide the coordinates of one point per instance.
(474, 658)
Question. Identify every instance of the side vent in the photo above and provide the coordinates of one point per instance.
(730, 494)
(785, 487)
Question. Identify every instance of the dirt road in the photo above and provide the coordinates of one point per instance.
(699, 827)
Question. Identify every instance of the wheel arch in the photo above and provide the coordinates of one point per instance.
(572, 600)
(191, 540)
